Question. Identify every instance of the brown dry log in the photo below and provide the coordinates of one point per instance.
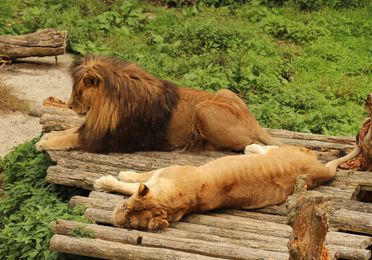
(47, 42)
(308, 216)
(64, 122)
(358, 208)
(346, 193)
(354, 221)
(341, 243)
(113, 250)
(307, 136)
(39, 110)
(80, 169)
(149, 239)
(349, 241)
(354, 177)
(345, 252)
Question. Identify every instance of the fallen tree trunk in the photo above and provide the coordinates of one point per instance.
(308, 216)
(48, 42)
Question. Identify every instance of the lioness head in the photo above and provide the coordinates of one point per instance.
(141, 211)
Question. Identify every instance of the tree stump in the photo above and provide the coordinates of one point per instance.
(47, 42)
(308, 216)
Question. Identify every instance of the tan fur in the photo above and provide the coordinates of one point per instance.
(243, 181)
(115, 96)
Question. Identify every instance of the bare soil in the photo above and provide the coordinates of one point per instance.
(32, 79)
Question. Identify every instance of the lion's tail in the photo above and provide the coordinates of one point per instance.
(267, 139)
(335, 163)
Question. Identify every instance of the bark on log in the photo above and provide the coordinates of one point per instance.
(149, 239)
(47, 42)
(112, 250)
(342, 211)
(106, 201)
(342, 243)
(308, 216)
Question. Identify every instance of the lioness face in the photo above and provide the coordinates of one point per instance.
(83, 93)
(141, 211)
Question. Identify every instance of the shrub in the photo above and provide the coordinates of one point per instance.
(28, 205)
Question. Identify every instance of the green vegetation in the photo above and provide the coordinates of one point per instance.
(301, 65)
(28, 205)
(80, 231)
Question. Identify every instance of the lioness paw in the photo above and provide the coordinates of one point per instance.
(105, 183)
(40, 146)
(128, 176)
(254, 149)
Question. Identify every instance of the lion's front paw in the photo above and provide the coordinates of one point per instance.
(128, 176)
(105, 183)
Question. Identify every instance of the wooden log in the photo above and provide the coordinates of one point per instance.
(348, 220)
(308, 136)
(98, 200)
(111, 164)
(148, 239)
(69, 177)
(342, 243)
(47, 42)
(346, 193)
(113, 250)
(344, 252)
(64, 122)
(39, 110)
(358, 209)
(271, 237)
(308, 217)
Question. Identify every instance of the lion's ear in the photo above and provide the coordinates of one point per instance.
(91, 80)
(143, 190)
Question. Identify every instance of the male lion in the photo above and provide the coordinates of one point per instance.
(127, 109)
(242, 181)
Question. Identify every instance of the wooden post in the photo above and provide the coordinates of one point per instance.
(47, 42)
(308, 216)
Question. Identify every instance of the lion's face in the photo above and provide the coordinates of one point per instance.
(84, 92)
(141, 211)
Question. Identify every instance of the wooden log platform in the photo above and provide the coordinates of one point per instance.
(220, 234)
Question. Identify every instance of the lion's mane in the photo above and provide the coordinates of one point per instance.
(132, 109)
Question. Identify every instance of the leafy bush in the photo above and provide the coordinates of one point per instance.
(28, 205)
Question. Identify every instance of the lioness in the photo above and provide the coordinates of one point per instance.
(127, 109)
(242, 181)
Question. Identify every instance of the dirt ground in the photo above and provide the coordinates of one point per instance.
(33, 79)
